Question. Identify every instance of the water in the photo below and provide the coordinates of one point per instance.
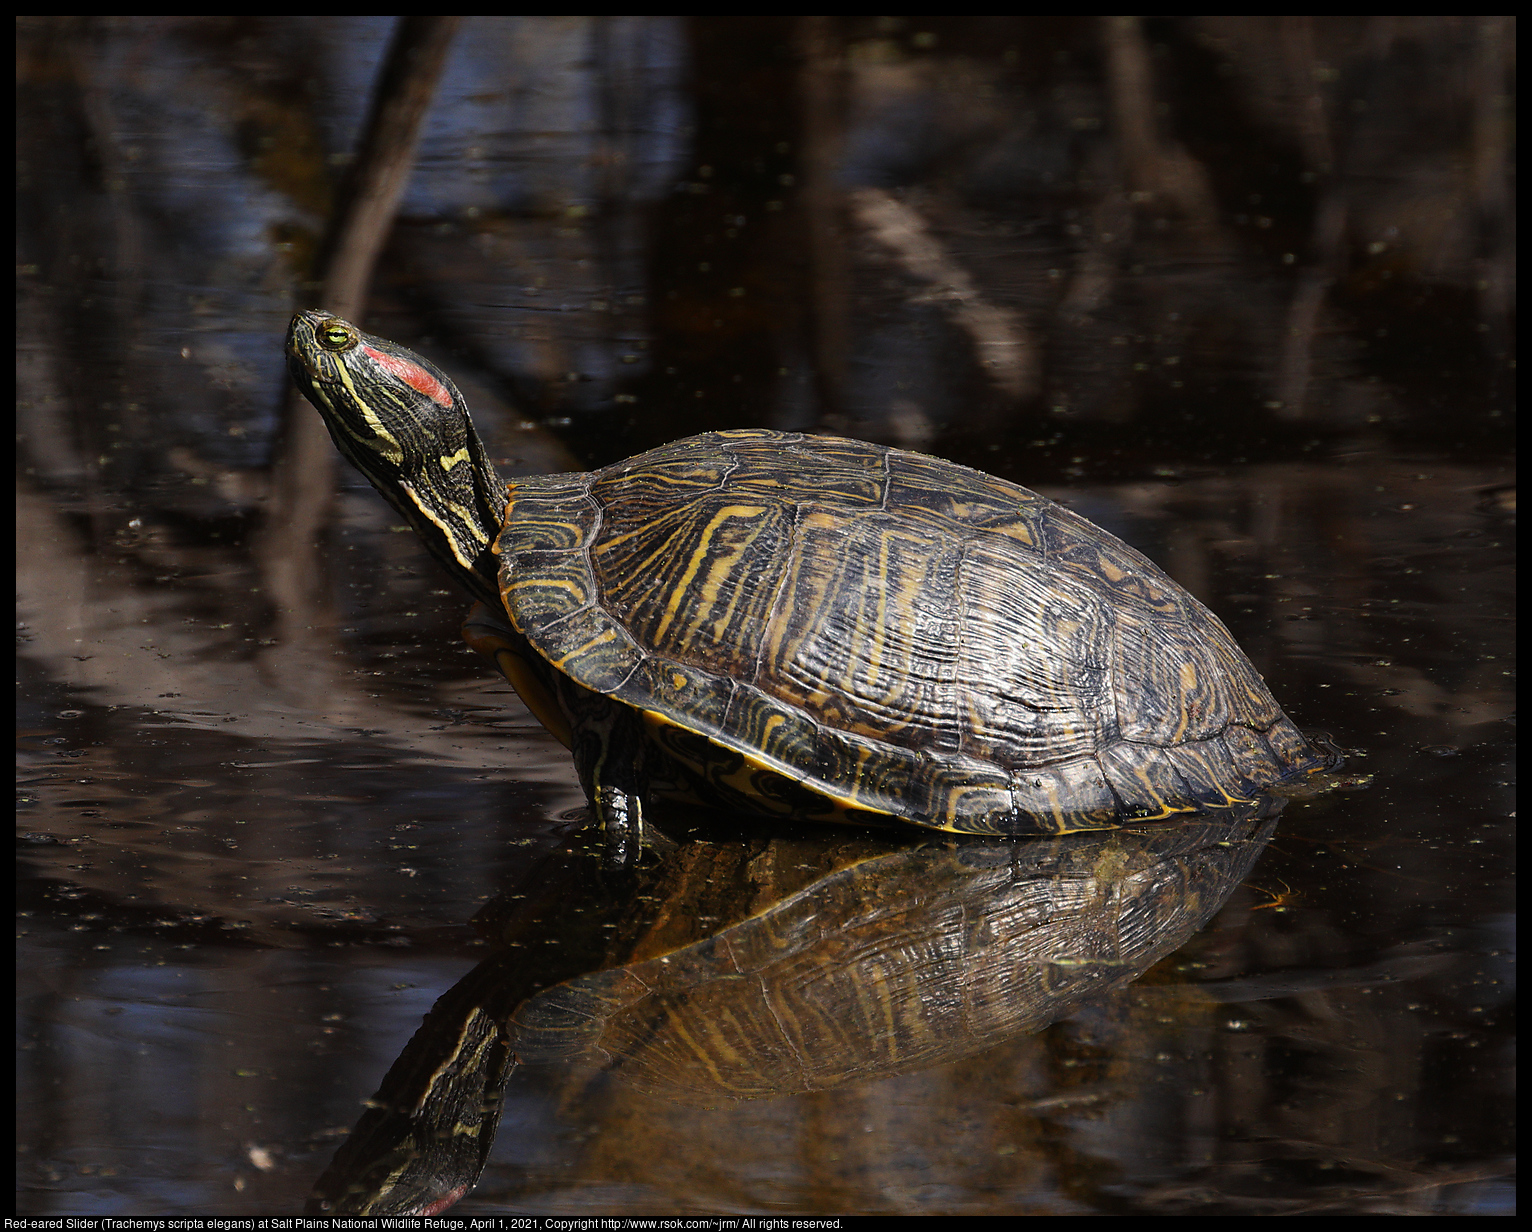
(250, 851)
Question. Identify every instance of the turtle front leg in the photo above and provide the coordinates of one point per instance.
(609, 757)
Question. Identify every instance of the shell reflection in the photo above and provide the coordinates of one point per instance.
(768, 966)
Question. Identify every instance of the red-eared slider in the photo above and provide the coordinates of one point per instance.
(797, 625)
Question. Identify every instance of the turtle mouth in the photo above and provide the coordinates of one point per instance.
(304, 371)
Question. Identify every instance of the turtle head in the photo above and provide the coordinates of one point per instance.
(400, 421)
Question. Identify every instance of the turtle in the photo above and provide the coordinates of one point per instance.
(748, 964)
(788, 625)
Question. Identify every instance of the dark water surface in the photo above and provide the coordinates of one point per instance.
(1271, 352)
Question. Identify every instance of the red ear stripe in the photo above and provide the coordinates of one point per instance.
(413, 375)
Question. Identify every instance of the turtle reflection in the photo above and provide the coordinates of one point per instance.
(766, 966)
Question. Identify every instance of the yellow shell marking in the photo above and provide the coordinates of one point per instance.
(1166, 810)
(541, 583)
(601, 639)
(716, 573)
(869, 633)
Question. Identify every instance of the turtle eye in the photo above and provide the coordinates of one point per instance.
(335, 335)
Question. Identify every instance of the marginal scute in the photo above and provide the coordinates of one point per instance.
(542, 588)
(550, 513)
(669, 687)
(1288, 743)
(888, 778)
(783, 733)
(971, 796)
(1254, 764)
(592, 648)
(1066, 790)
(1208, 774)
(1146, 784)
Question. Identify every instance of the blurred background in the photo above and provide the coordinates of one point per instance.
(1239, 289)
(1154, 237)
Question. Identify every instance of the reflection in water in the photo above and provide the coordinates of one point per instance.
(757, 967)
(1258, 275)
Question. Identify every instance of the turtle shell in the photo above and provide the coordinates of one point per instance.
(838, 630)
